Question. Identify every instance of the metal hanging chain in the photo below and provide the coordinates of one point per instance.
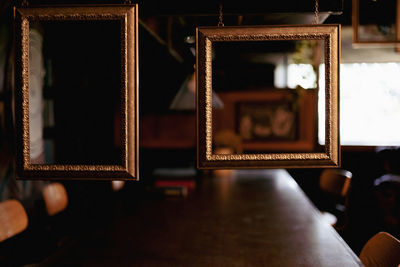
(316, 19)
(220, 21)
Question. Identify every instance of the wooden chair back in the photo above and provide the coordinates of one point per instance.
(335, 181)
(13, 219)
(381, 250)
(55, 198)
(117, 185)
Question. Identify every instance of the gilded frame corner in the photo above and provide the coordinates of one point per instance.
(206, 36)
(128, 16)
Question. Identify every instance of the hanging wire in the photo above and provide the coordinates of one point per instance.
(316, 19)
(220, 20)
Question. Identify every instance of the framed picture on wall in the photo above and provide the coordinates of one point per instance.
(267, 121)
(275, 120)
(371, 28)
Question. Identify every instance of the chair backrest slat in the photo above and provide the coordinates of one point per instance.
(13, 219)
(381, 250)
(55, 198)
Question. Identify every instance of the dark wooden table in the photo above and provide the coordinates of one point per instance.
(253, 218)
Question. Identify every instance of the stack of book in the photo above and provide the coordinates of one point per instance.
(175, 181)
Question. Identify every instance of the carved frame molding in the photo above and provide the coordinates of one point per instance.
(206, 36)
(128, 16)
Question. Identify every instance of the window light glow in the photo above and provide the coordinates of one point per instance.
(369, 104)
(301, 75)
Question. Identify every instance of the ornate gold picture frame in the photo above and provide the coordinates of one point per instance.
(207, 36)
(126, 51)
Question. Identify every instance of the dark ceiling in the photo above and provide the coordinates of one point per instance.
(209, 7)
(165, 25)
(166, 56)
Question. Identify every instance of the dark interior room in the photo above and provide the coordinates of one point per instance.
(200, 133)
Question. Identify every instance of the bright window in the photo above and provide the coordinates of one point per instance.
(301, 75)
(369, 104)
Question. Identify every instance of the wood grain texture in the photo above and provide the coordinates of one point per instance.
(253, 218)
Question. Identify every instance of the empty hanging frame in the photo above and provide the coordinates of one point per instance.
(210, 42)
(86, 79)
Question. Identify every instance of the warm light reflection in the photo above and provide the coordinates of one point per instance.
(223, 173)
(117, 185)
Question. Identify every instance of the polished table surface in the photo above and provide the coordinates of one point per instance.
(251, 218)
